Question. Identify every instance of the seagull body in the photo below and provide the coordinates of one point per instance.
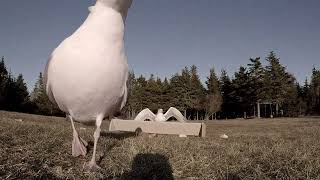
(160, 116)
(87, 73)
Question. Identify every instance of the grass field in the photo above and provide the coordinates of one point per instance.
(40, 147)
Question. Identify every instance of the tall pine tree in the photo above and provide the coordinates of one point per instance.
(213, 98)
(228, 106)
(242, 92)
(197, 92)
(315, 92)
(279, 84)
(256, 86)
(39, 97)
(21, 94)
(3, 84)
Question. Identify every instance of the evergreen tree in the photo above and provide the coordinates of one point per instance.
(153, 93)
(306, 96)
(291, 103)
(39, 97)
(315, 92)
(3, 84)
(214, 98)
(166, 99)
(301, 100)
(178, 93)
(226, 88)
(21, 94)
(160, 93)
(185, 92)
(185, 85)
(14, 95)
(139, 92)
(279, 84)
(242, 92)
(256, 86)
(10, 94)
(197, 91)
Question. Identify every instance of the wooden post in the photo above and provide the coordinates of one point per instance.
(258, 108)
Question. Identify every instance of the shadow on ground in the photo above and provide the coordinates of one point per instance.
(150, 166)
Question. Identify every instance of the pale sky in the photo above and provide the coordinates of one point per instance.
(163, 36)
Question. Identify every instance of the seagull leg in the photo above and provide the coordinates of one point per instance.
(92, 165)
(78, 144)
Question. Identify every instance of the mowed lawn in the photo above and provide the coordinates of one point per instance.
(40, 147)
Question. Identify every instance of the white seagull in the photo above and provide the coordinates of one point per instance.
(160, 117)
(87, 73)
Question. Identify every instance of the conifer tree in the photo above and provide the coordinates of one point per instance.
(166, 99)
(291, 103)
(315, 91)
(3, 84)
(10, 94)
(152, 96)
(226, 88)
(21, 94)
(242, 91)
(306, 96)
(41, 100)
(185, 84)
(301, 100)
(279, 84)
(139, 92)
(178, 93)
(197, 91)
(214, 98)
(256, 87)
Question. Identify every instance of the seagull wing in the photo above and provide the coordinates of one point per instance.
(173, 112)
(144, 115)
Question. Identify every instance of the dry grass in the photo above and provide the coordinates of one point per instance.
(40, 148)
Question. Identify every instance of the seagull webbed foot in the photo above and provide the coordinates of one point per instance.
(92, 167)
(78, 146)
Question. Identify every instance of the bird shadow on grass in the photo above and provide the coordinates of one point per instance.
(149, 166)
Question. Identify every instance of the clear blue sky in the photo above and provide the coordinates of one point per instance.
(163, 36)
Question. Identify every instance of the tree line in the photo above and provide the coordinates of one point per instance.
(271, 86)
(14, 95)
